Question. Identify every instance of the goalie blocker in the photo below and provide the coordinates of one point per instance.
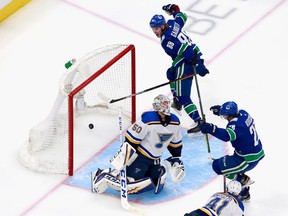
(124, 157)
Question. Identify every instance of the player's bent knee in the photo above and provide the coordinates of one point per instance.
(161, 180)
(216, 167)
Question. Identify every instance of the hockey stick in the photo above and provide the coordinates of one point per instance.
(201, 110)
(123, 180)
(224, 184)
(108, 100)
(204, 119)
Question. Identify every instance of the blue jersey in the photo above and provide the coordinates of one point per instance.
(176, 43)
(242, 134)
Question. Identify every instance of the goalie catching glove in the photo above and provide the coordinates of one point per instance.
(176, 168)
(124, 157)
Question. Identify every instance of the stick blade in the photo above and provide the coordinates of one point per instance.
(133, 209)
(104, 97)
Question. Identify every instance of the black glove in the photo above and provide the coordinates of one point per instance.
(171, 73)
(201, 68)
(202, 73)
(207, 128)
(171, 8)
(215, 109)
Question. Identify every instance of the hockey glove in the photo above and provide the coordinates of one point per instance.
(215, 109)
(201, 69)
(171, 8)
(207, 128)
(124, 157)
(171, 73)
(203, 72)
(176, 168)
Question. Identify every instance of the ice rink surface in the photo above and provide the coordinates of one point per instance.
(245, 46)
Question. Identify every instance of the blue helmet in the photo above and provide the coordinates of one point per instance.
(229, 108)
(157, 21)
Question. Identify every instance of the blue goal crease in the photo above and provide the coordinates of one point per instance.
(196, 162)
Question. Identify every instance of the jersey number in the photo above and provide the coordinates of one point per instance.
(253, 132)
(137, 128)
(183, 38)
(217, 204)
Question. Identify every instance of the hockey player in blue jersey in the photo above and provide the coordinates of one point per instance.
(184, 53)
(145, 142)
(222, 203)
(242, 134)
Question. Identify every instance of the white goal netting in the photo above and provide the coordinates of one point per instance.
(53, 144)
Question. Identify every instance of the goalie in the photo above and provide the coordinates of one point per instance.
(145, 142)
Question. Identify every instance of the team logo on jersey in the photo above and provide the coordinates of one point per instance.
(163, 138)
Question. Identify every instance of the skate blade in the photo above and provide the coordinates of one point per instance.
(179, 112)
(197, 134)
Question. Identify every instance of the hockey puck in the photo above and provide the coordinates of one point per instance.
(91, 126)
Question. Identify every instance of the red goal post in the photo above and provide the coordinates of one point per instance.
(110, 70)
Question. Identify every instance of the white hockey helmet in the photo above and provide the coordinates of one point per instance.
(234, 187)
(161, 103)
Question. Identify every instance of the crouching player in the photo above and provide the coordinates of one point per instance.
(145, 142)
(224, 204)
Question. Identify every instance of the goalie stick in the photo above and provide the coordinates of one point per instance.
(108, 100)
(123, 180)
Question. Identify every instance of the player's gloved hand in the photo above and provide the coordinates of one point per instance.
(176, 168)
(207, 128)
(171, 73)
(215, 109)
(203, 72)
(200, 67)
(171, 8)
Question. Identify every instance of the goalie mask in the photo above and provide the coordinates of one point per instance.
(161, 104)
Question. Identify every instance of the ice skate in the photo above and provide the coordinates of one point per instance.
(245, 194)
(246, 180)
(176, 106)
(195, 129)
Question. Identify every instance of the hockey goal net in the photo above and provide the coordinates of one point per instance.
(52, 144)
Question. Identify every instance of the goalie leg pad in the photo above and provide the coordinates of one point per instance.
(161, 180)
(102, 179)
(98, 182)
(140, 186)
(124, 157)
(133, 186)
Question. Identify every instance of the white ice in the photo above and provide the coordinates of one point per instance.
(246, 52)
